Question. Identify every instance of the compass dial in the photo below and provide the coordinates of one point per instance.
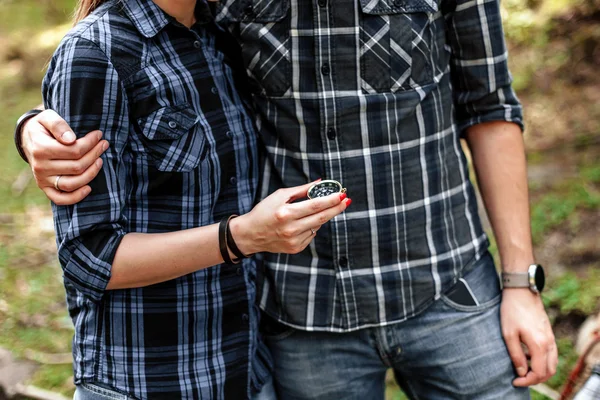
(325, 188)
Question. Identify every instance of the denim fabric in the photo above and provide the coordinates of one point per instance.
(267, 392)
(89, 391)
(450, 351)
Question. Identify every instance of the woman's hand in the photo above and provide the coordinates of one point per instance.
(276, 226)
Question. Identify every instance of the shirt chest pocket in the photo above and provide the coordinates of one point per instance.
(264, 31)
(396, 41)
(172, 138)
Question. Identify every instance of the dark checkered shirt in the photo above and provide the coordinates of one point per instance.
(374, 94)
(182, 154)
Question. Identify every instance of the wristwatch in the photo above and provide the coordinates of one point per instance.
(534, 279)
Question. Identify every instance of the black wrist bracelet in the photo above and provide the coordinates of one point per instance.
(18, 134)
(223, 226)
(231, 243)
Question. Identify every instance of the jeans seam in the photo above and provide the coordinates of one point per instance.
(103, 392)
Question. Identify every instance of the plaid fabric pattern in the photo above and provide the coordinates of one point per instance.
(182, 155)
(374, 94)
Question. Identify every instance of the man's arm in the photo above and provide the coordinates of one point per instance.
(499, 160)
(489, 115)
(51, 149)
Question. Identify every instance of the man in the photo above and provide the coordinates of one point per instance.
(376, 94)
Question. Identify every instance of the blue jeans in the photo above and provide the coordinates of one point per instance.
(87, 391)
(450, 351)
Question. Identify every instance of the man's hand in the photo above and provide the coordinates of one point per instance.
(52, 150)
(524, 320)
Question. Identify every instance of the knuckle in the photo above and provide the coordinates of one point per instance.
(286, 233)
(37, 151)
(323, 219)
(37, 169)
(78, 168)
(315, 206)
(281, 214)
(508, 335)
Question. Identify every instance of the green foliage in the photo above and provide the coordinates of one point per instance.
(563, 200)
(567, 357)
(538, 396)
(569, 293)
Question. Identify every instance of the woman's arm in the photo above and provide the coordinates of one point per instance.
(96, 251)
(274, 225)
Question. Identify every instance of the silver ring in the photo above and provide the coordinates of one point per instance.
(313, 231)
(56, 183)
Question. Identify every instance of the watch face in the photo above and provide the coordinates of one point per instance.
(540, 278)
(325, 188)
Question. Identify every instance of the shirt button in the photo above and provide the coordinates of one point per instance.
(172, 124)
(331, 134)
(229, 134)
(325, 69)
(322, 3)
(197, 44)
(245, 318)
(214, 90)
(233, 180)
(343, 261)
(239, 271)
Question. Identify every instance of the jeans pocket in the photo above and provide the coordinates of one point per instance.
(90, 391)
(273, 330)
(481, 284)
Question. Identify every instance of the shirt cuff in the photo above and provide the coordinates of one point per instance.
(88, 268)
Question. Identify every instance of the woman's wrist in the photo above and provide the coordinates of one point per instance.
(242, 234)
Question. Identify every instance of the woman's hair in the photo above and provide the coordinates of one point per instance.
(85, 8)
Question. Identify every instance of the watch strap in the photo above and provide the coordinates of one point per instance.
(515, 280)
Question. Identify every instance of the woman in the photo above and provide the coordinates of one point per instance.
(152, 320)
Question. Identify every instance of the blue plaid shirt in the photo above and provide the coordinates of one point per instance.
(183, 154)
(374, 94)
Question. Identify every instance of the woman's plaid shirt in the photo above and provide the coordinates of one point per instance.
(375, 94)
(182, 154)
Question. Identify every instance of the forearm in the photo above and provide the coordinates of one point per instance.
(499, 159)
(144, 259)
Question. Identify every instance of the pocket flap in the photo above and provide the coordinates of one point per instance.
(253, 11)
(385, 7)
(170, 122)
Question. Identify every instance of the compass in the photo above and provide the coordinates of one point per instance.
(325, 188)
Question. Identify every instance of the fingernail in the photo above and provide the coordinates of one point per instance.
(99, 135)
(68, 136)
(99, 162)
(521, 371)
(87, 190)
(348, 202)
(105, 146)
(342, 196)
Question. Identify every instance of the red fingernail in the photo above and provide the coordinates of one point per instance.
(342, 196)
(348, 202)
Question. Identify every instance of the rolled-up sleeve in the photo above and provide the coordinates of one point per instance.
(84, 88)
(480, 76)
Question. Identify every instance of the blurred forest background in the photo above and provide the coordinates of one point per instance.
(554, 48)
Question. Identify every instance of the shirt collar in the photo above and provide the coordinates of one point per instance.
(148, 18)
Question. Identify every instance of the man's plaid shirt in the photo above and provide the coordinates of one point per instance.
(374, 94)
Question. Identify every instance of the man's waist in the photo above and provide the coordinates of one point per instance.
(340, 297)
